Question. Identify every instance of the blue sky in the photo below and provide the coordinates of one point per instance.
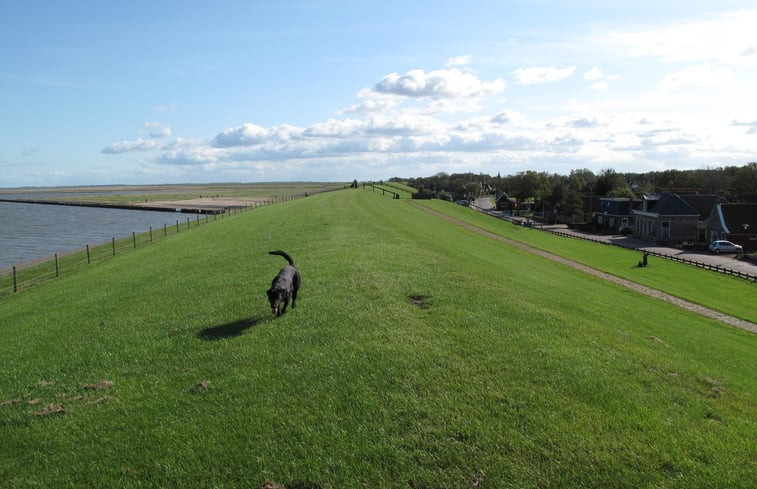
(171, 92)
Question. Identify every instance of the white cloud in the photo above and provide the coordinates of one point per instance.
(171, 107)
(698, 76)
(157, 130)
(154, 130)
(451, 83)
(725, 38)
(600, 79)
(542, 74)
(577, 121)
(416, 119)
(594, 74)
(184, 152)
(245, 135)
(751, 126)
(127, 146)
(372, 101)
(507, 116)
(458, 61)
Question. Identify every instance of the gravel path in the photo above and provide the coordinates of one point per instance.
(657, 294)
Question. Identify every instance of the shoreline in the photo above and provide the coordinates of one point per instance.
(169, 206)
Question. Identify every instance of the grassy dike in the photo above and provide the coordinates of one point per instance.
(421, 355)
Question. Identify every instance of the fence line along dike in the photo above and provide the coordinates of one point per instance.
(23, 276)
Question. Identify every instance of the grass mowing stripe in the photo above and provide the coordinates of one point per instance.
(419, 355)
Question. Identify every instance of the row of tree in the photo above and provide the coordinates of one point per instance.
(566, 192)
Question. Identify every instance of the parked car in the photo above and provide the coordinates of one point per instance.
(721, 246)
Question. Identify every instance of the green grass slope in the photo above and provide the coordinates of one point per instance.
(420, 355)
(720, 292)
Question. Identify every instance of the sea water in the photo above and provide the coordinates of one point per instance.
(30, 232)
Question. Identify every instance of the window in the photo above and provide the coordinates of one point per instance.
(665, 230)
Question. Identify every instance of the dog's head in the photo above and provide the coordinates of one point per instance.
(276, 297)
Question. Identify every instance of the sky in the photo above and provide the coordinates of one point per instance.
(99, 93)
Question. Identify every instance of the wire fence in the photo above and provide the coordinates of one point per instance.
(24, 276)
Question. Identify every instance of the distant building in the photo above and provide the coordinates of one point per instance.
(666, 218)
(734, 222)
(703, 204)
(504, 203)
(615, 215)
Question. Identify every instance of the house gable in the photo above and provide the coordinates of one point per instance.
(739, 218)
(734, 222)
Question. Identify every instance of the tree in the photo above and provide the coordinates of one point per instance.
(582, 180)
(612, 184)
(529, 185)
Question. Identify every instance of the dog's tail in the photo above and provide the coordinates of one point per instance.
(284, 254)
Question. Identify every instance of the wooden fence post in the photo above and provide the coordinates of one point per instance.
(113, 244)
(15, 289)
(89, 261)
(57, 272)
(150, 234)
(134, 239)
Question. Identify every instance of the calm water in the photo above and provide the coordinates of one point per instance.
(32, 231)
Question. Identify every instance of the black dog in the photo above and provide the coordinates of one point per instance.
(284, 286)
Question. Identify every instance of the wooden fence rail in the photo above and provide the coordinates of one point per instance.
(383, 190)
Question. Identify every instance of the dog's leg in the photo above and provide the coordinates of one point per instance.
(295, 288)
(286, 303)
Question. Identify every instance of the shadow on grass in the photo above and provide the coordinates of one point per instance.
(229, 330)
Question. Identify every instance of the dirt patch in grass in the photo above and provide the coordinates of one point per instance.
(57, 405)
(420, 301)
(50, 410)
(271, 485)
(103, 384)
(201, 386)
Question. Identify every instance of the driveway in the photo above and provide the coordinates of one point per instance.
(484, 203)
